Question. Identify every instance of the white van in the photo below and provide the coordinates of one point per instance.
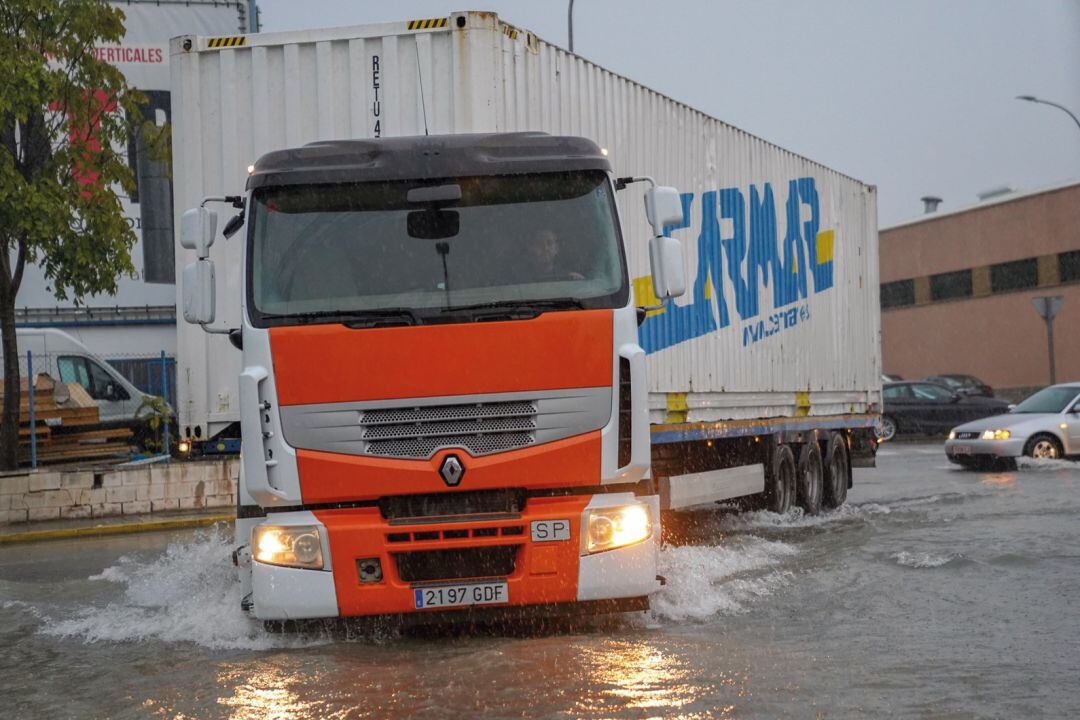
(66, 359)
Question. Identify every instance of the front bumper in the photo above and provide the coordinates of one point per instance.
(960, 451)
(540, 573)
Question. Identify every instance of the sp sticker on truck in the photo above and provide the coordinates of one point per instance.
(550, 530)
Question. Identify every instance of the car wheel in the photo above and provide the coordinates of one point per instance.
(780, 481)
(1043, 446)
(809, 482)
(886, 429)
(837, 469)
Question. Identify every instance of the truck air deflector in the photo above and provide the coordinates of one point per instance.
(428, 156)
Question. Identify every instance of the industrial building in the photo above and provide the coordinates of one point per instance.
(957, 290)
(132, 328)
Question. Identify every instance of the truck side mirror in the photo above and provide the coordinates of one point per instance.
(199, 299)
(663, 207)
(666, 262)
(197, 229)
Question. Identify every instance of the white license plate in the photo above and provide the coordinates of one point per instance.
(961, 450)
(550, 530)
(461, 595)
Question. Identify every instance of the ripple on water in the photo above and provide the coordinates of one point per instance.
(923, 560)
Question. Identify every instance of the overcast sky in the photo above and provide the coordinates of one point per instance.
(914, 96)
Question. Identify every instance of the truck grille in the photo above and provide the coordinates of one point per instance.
(457, 564)
(417, 428)
(481, 428)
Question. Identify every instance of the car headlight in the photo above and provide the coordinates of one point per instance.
(288, 545)
(614, 527)
(952, 434)
(996, 435)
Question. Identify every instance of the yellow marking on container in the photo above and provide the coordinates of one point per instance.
(427, 24)
(676, 408)
(645, 296)
(802, 403)
(226, 42)
(510, 32)
(825, 240)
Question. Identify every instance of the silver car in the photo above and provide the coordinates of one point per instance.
(1046, 425)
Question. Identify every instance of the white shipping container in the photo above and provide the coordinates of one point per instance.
(781, 314)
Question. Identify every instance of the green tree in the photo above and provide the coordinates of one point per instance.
(64, 117)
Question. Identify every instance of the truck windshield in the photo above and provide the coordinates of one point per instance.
(329, 253)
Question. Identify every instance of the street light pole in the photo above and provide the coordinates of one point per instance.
(1032, 98)
(570, 24)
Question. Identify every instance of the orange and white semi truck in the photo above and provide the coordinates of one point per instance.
(466, 366)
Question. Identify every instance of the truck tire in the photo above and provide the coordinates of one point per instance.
(809, 482)
(837, 471)
(780, 481)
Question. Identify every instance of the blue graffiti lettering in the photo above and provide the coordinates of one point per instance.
(753, 260)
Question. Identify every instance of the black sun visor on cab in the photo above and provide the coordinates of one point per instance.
(426, 156)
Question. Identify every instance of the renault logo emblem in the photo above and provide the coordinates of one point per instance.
(452, 470)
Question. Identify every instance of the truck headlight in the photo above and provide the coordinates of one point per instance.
(288, 545)
(996, 435)
(614, 527)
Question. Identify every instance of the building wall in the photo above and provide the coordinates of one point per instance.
(993, 331)
(1000, 339)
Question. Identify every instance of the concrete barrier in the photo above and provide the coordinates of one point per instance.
(52, 494)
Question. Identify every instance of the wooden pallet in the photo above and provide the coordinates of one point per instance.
(67, 424)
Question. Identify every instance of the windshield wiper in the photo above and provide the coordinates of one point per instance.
(352, 318)
(567, 303)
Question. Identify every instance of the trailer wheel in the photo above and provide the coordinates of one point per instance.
(809, 483)
(780, 481)
(837, 471)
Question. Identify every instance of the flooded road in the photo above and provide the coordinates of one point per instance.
(934, 593)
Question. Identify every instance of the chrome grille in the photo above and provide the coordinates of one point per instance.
(967, 435)
(448, 412)
(480, 428)
(416, 428)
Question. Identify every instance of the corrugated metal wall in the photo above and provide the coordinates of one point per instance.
(727, 344)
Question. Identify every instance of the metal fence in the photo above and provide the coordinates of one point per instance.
(149, 374)
(152, 374)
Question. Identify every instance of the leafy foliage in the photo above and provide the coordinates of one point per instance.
(65, 116)
(154, 411)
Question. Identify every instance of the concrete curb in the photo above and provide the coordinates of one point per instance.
(113, 529)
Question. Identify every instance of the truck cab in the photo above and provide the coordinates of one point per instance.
(443, 399)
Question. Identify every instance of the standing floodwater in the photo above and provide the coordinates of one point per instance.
(933, 593)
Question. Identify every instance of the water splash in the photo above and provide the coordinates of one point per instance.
(706, 581)
(188, 594)
(1045, 464)
(796, 518)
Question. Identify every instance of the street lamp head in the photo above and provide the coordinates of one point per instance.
(1029, 98)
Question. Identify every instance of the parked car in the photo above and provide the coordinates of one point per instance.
(64, 358)
(1046, 425)
(963, 384)
(923, 407)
